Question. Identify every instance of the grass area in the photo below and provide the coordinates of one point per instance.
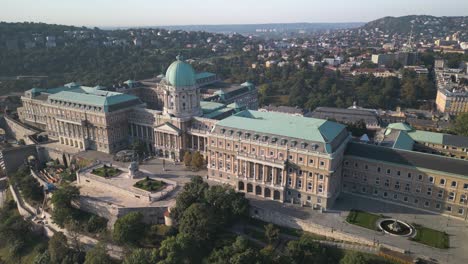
(110, 171)
(431, 237)
(150, 185)
(363, 219)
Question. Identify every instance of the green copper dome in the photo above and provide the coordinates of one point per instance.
(180, 73)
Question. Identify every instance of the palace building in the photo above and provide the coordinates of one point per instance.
(282, 157)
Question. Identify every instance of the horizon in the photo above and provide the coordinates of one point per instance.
(156, 13)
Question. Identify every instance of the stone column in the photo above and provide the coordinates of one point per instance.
(275, 174)
(265, 170)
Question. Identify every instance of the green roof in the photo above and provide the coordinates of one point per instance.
(209, 107)
(93, 96)
(202, 75)
(304, 128)
(217, 113)
(400, 126)
(403, 141)
(180, 73)
(426, 136)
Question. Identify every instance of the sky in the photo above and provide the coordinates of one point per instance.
(108, 13)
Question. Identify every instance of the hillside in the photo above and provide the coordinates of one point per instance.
(426, 25)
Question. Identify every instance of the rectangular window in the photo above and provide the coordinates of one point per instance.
(311, 161)
(442, 182)
(440, 194)
(429, 191)
(320, 188)
(431, 179)
(409, 175)
(453, 184)
(451, 196)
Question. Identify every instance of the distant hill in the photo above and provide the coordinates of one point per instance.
(258, 28)
(429, 25)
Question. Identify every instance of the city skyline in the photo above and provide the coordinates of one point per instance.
(106, 13)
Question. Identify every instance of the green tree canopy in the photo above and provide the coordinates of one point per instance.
(129, 229)
(97, 255)
(461, 125)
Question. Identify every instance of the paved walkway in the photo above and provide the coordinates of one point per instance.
(2, 197)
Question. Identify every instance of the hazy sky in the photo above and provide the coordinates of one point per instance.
(184, 12)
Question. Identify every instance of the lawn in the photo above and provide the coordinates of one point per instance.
(431, 237)
(364, 219)
(111, 171)
(150, 185)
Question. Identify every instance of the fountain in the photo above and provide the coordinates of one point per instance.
(396, 227)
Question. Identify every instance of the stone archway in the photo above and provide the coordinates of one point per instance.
(276, 195)
(258, 190)
(267, 192)
(249, 188)
(241, 186)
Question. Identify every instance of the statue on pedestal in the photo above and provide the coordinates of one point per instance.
(133, 169)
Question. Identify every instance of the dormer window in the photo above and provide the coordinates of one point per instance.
(293, 143)
(284, 141)
(273, 140)
(265, 138)
(223, 130)
(303, 145)
(256, 136)
(239, 133)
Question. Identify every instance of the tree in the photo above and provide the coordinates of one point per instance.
(58, 248)
(129, 229)
(62, 200)
(97, 255)
(238, 252)
(197, 161)
(142, 256)
(187, 158)
(353, 257)
(193, 192)
(272, 233)
(199, 223)
(306, 250)
(63, 196)
(228, 205)
(461, 125)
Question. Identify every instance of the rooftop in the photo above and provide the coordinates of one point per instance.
(93, 96)
(312, 129)
(408, 158)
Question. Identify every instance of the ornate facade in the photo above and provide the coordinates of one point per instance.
(294, 159)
